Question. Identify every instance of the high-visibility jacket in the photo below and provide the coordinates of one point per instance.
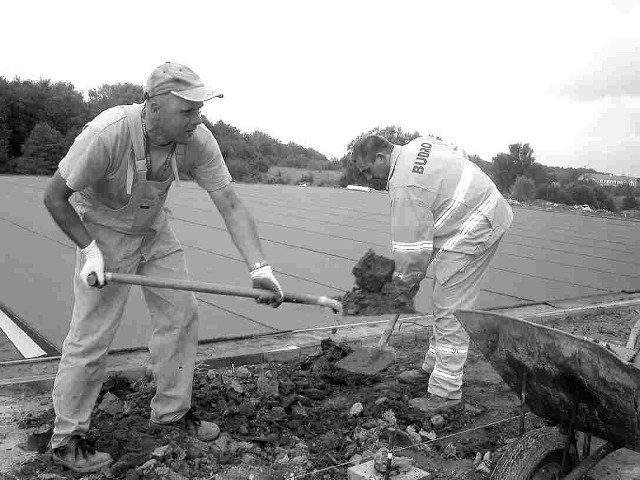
(440, 201)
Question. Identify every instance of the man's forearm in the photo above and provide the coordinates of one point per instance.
(244, 234)
(69, 222)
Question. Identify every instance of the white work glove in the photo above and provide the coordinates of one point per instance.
(94, 263)
(411, 287)
(263, 277)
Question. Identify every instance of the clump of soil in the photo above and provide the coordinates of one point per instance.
(376, 291)
(309, 419)
(373, 271)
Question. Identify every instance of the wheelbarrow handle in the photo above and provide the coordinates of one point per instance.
(215, 288)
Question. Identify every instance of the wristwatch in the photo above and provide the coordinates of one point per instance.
(260, 264)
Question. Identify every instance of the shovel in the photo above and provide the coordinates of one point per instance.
(363, 360)
(370, 360)
(218, 289)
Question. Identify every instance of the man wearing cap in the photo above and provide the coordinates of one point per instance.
(120, 168)
(445, 212)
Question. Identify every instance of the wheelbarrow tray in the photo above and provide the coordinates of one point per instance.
(562, 370)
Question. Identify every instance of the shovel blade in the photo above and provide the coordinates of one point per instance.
(367, 360)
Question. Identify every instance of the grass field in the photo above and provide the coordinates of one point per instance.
(294, 176)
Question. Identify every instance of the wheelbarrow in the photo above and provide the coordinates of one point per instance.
(577, 384)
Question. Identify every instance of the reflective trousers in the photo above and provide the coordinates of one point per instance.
(97, 314)
(456, 285)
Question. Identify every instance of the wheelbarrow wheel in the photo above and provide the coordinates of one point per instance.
(537, 455)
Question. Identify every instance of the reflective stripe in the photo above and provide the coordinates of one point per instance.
(451, 349)
(461, 190)
(467, 226)
(472, 222)
(490, 203)
(431, 351)
(437, 255)
(405, 276)
(439, 372)
(411, 247)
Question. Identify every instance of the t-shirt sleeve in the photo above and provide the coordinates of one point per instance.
(86, 162)
(209, 170)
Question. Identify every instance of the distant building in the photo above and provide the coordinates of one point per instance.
(607, 179)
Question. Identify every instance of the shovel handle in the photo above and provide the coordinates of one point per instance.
(384, 339)
(218, 289)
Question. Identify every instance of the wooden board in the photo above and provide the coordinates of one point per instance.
(559, 368)
(622, 464)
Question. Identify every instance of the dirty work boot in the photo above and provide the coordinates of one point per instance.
(433, 404)
(414, 377)
(192, 425)
(78, 455)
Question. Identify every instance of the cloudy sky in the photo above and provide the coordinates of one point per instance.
(563, 76)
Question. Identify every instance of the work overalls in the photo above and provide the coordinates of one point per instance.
(444, 209)
(133, 239)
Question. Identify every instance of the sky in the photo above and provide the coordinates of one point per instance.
(563, 76)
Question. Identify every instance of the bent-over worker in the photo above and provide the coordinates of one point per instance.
(444, 210)
(121, 167)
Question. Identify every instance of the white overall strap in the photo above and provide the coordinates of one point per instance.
(135, 131)
(179, 155)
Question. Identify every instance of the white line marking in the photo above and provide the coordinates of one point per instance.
(27, 347)
(284, 349)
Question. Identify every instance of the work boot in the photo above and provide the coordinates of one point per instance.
(78, 455)
(414, 377)
(192, 425)
(433, 404)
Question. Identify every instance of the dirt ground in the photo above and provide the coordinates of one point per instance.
(302, 419)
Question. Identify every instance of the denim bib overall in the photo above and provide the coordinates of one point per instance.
(133, 239)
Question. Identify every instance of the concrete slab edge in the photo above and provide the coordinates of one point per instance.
(37, 376)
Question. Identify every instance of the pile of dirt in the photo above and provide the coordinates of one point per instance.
(279, 420)
(309, 419)
(376, 291)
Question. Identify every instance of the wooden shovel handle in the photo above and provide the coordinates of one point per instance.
(218, 289)
(384, 339)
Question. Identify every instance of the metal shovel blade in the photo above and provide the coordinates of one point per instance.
(368, 360)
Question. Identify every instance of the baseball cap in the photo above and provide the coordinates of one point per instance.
(179, 80)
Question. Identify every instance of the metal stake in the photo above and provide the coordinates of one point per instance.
(570, 434)
(586, 446)
(387, 473)
(523, 396)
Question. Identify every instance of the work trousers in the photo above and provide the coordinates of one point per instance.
(97, 314)
(456, 285)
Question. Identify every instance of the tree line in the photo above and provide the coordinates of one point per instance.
(517, 175)
(39, 121)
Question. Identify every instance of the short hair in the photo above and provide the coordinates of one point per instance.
(161, 99)
(368, 147)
